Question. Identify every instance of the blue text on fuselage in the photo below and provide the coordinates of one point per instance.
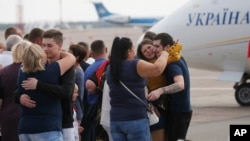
(226, 17)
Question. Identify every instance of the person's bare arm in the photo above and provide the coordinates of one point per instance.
(177, 86)
(66, 62)
(91, 87)
(147, 69)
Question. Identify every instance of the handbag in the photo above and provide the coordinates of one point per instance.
(153, 118)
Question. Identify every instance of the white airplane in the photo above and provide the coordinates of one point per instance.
(105, 15)
(216, 36)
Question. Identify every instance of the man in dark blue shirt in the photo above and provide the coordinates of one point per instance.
(179, 110)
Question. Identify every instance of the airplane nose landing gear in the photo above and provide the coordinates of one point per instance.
(242, 94)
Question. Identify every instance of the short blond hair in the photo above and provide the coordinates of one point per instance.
(18, 49)
(32, 59)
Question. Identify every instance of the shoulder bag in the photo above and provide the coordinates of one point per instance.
(153, 118)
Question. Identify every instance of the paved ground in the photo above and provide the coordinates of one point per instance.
(214, 107)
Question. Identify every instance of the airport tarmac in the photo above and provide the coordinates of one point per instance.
(214, 106)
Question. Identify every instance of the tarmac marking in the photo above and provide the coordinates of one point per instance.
(211, 88)
(207, 77)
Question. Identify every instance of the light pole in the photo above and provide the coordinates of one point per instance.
(61, 19)
(20, 14)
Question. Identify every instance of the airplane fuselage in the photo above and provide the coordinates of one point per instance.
(105, 15)
(215, 34)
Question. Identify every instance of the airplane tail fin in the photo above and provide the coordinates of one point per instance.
(101, 10)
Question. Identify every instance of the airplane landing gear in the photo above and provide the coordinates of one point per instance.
(242, 94)
(242, 91)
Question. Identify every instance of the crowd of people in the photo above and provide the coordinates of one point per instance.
(49, 94)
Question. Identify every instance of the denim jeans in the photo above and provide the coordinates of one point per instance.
(134, 130)
(45, 136)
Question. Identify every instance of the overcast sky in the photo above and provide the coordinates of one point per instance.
(80, 10)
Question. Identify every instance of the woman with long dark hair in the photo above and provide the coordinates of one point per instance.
(128, 115)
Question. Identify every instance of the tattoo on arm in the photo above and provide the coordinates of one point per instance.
(173, 88)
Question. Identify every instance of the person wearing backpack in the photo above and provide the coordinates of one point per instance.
(98, 52)
(98, 83)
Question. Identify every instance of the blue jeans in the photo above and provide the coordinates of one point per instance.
(134, 130)
(45, 136)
